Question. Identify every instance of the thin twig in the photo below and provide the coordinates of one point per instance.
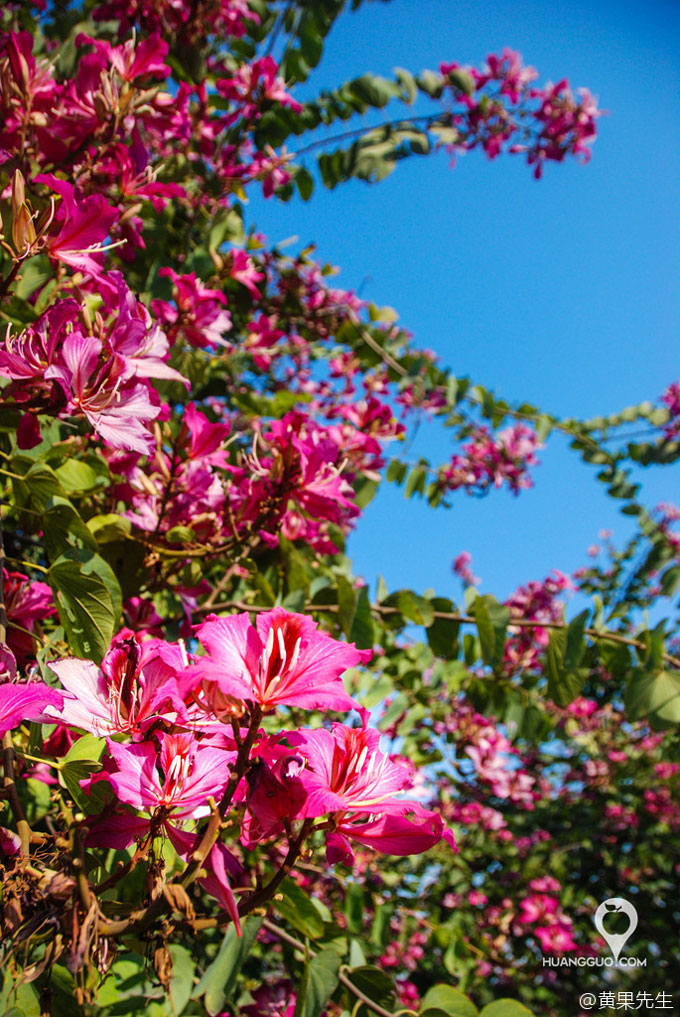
(464, 619)
(342, 976)
(8, 779)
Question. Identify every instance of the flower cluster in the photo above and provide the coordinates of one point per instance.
(535, 602)
(503, 112)
(68, 364)
(191, 732)
(671, 399)
(492, 460)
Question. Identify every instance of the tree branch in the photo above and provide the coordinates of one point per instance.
(343, 978)
(464, 619)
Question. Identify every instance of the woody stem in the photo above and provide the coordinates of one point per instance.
(8, 780)
(257, 898)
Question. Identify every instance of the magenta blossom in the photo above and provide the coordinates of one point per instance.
(27, 602)
(131, 689)
(286, 661)
(189, 774)
(84, 225)
(19, 703)
(199, 315)
(349, 777)
(116, 410)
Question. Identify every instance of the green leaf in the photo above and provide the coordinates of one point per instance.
(76, 476)
(463, 80)
(38, 482)
(88, 600)
(83, 759)
(451, 1001)
(442, 634)
(319, 982)
(181, 985)
(23, 999)
(377, 688)
(492, 619)
(670, 581)
(373, 90)
(396, 471)
(415, 483)
(563, 684)
(412, 606)
(218, 979)
(363, 629)
(505, 1008)
(408, 84)
(109, 527)
(299, 911)
(294, 601)
(655, 695)
(575, 643)
(180, 535)
(431, 83)
(305, 183)
(63, 528)
(374, 983)
(354, 907)
(347, 604)
(34, 273)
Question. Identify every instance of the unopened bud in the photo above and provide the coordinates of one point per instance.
(18, 63)
(23, 230)
(18, 191)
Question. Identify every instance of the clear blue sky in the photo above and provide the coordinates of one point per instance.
(563, 292)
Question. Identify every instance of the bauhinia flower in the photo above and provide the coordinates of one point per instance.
(27, 603)
(19, 703)
(285, 661)
(190, 773)
(350, 779)
(131, 689)
(117, 409)
(84, 226)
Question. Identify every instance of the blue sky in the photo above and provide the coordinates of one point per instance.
(563, 292)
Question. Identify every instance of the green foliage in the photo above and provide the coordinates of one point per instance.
(319, 981)
(218, 979)
(447, 1000)
(88, 598)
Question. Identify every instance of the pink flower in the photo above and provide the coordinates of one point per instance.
(349, 777)
(493, 460)
(144, 60)
(243, 270)
(671, 398)
(461, 567)
(286, 661)
(252, 85)
(546, 884)
(135, 337)
(537, 907)
(26, 603)
(10, 844)
(189, 774)
(19, 703)
(276, 1000)
(199, 315)
(205, 439)
(275, 794)
(556, 938)
(115, 410)
(85, 224)
(133, 687)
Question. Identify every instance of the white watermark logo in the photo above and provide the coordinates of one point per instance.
(614, 940)
(615, 906)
